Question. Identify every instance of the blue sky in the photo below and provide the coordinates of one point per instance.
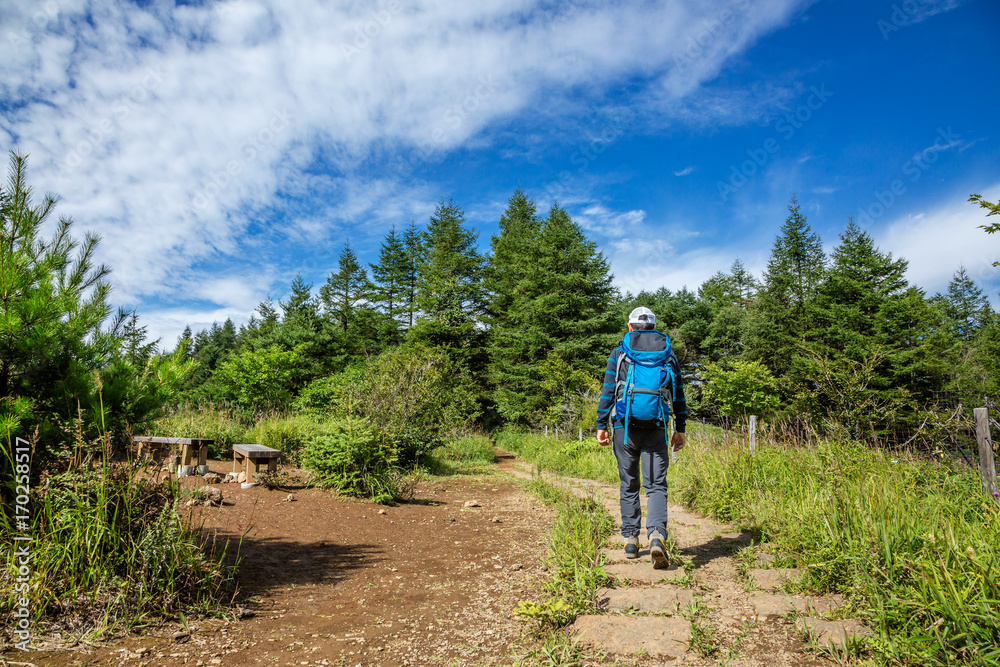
(222, 147)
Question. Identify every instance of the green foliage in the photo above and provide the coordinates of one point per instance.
(745, 388)
(353, 457)
(550, 290)
(258, 379)
(450, 268)
(581, 528)
(110, 552)
(415, 396)
(993, 209)
(572, 457)
(462, 454)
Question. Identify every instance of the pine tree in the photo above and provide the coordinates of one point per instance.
(965, 304)
(390, 277)
(551, 295)
(346, 289)
(449, 288)
(413, 248)
(780, 317)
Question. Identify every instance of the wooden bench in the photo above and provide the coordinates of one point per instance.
(191, 448)
(245, 455)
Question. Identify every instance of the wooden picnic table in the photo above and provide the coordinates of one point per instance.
(190, 448)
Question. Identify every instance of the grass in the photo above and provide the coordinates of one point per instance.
(109, 554)
(913, 543)
(464, 454)
(582, 525)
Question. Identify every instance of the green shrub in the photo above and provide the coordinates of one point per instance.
(415, 396)
(352, 456)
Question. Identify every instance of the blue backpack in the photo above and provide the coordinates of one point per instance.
(645, 383)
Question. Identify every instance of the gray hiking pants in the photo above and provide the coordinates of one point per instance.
(648, 446)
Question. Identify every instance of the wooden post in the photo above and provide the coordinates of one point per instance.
(581, 434)
(557, 432)
(546, 430)
(753, 434)
(987, 467)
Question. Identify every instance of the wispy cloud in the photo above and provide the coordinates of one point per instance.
(191, 136)
(684, 172)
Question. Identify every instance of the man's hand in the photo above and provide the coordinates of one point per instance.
(678, 441)
(602, 438)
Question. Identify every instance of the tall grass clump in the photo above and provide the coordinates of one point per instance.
(470, 453)
(575, 458)
(582, 525)
(914, 543)
(109, 553)
(226, 426)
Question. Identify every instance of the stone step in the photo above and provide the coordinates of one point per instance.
(768, 604)
(641, 571)
(770, 580)
(832, 633)
(645, 600)
(655, 635)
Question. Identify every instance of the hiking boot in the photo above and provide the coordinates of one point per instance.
(632, 547)
(658, 552)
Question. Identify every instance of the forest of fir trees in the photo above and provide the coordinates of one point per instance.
(842, 341)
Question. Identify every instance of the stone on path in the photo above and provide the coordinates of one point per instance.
(641, 571)
(213, 478)
(617, 555)
(656, 635)
(768, 604)
(647, 600)
(770, 580)
(472, 503)
(832, 633)
(213, 496)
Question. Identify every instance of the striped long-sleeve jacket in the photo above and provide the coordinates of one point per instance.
(608, 398)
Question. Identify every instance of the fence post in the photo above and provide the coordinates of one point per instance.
(753, 434)
(546, 430)
(581, 434)
(557, 432)
(987, 467)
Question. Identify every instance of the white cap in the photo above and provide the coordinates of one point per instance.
(641, 315)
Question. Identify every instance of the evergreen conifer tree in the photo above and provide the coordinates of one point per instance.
(345, 290)
(390, 279)
(449, 287)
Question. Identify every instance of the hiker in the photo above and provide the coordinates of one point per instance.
(642, 385)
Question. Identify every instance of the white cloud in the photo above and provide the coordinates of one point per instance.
(180, 133)
(939, 240)
(684, 172)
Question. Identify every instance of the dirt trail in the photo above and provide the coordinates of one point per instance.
(334, 581)
(645, 616)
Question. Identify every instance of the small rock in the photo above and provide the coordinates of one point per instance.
(290, 498)
(241, 478)
(516, 567)
(181, 637)
(472, 503)
(213, 478)
(497, 519)
(383, 511)
(193, 502)
(213, 495)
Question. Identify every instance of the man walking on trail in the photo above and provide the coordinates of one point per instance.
(642, 385)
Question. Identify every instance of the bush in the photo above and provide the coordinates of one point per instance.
(415, 396)
(352, 456)
(258, 379)
(748, 388)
